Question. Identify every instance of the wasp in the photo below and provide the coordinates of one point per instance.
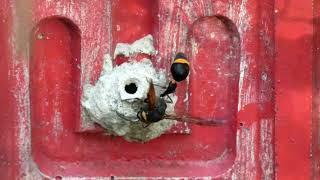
(155, 107)
(179, 70)
(155, 111)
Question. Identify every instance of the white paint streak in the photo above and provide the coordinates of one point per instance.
(19, 72)
(267, 154)
(237, 12)
(34, 172)
(57, 124)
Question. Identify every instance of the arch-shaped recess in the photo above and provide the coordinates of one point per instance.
(214, 79)
(215, 68)
(54, 80)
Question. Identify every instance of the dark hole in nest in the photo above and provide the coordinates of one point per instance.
(131, 88)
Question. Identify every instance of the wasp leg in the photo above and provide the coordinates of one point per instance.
(135, 105)
(169, 99)
(150, 80)
(146, 101)
(145, 126)
(122, 116)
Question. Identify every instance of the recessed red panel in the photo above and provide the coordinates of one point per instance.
(54, 83)
(215, 56)
(54, 87)
(54, 101)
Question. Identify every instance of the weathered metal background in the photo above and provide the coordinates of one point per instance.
(50, 49)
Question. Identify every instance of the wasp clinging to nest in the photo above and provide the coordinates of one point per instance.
(154, 107)
(155, 110)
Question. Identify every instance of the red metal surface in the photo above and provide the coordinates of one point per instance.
(315, 154)
(42, 134)
(134, 15)
(8, 148)
(297, 89)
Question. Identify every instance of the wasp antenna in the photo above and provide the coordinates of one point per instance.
(159, 86)
(197, 121)
(149, 79)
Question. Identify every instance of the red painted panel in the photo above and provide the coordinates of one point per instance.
(54, 104)
(7, 147)
(215, 60)
(293, 125)
(131, 20)
(316, 93)
(54, 83)
(242, 152)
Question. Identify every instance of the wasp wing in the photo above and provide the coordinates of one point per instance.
(197, 121)
(151, 97)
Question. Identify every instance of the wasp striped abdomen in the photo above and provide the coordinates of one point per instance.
(180, 67)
